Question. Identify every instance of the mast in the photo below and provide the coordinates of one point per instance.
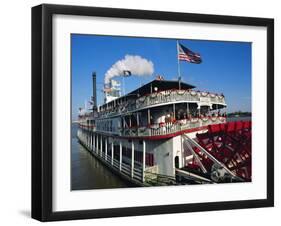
(179, 73)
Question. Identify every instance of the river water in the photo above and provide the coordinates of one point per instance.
(89, 173)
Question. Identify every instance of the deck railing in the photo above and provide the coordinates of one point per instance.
(165, 128)
(172, 127)
(148, 177)
(167, 96)
(114, 163)
(178, 95)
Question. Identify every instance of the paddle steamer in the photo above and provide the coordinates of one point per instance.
(164, 133)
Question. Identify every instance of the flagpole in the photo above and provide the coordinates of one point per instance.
(179, 73)
(123, 80)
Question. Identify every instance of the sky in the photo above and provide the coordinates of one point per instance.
(225, 68)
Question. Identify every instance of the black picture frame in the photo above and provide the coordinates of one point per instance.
(42, 111)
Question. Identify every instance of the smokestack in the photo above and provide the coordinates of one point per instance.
(94, 97)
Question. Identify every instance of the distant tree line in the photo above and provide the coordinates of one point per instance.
(239, 114)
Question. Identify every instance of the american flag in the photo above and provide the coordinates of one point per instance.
(186, 54)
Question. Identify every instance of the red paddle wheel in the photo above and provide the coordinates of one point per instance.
(223, 153)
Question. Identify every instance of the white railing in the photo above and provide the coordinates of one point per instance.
(166, 96)
(167, 128)
(125, 167)
(178, 95)
(172, 127)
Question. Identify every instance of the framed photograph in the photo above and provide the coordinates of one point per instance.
(146, 112)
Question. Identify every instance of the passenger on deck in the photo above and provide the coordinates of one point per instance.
(151, 120)
(161, 119)
(178, 115)
(167, 117)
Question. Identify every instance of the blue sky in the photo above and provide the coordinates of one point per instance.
(225, 67)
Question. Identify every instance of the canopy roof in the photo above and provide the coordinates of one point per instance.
(150, 87)
(161, 86)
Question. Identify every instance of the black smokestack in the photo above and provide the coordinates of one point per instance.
(94, 97)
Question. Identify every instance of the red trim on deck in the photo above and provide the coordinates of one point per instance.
(156, 137)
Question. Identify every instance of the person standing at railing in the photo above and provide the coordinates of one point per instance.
(151, 120)
(167, 117)
(173, 119)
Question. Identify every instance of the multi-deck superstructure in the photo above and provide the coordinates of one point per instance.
(150, 135)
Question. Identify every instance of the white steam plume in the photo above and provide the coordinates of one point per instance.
(135, 64)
